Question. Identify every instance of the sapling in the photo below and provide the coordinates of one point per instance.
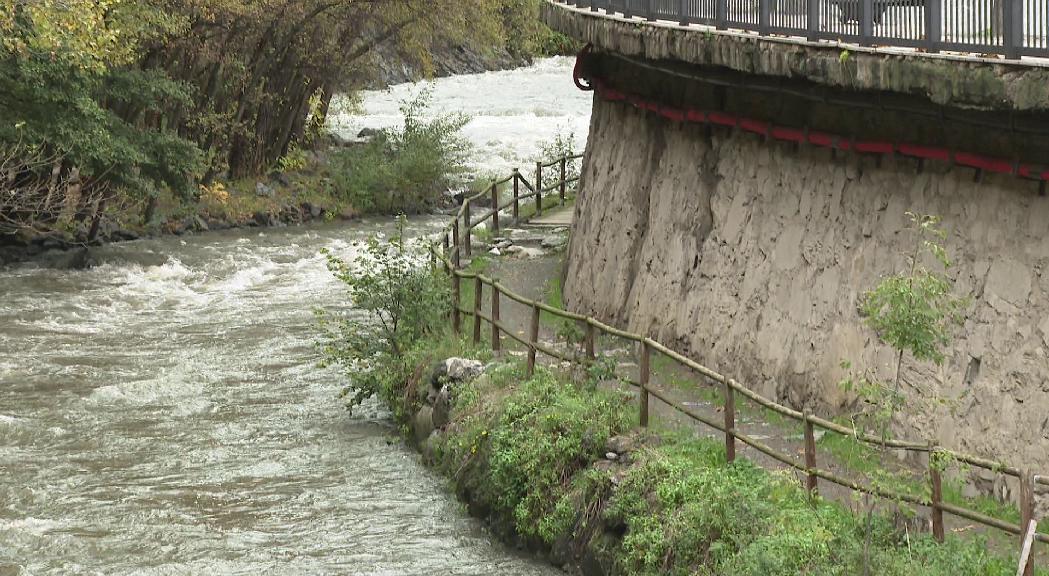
(914, 311)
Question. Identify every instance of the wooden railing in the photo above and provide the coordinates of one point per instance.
(455, 240)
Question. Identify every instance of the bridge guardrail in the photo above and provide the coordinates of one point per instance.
(1009, 28)
(455, 240)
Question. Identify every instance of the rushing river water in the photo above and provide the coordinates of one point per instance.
(512, 113)
(162, 413)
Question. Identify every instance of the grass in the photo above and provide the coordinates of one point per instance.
(865, 460)
(522, 449)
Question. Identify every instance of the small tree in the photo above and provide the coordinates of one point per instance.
(397, 299)
(915, 311)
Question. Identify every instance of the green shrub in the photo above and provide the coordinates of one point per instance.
(406, 169)
(397, 300)
(529, 445)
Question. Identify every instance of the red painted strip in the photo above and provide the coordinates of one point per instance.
(875, 147)
(984, 163)
(824, 139)
(821, 139)
(755, 126)
(788, 134)
(697, 116)
(722, 119)
(672, 113)
(925, 152)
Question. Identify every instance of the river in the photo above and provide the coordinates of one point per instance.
(162, 412)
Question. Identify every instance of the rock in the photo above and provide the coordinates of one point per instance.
(217, 224)
(368, 133)
(261, 218)
(263, 190)
(442, 408)
(281, 178)
(422, 425)
(340, 142)
(612, 456)
(503, 244)
(553, 242)
(525, 252)
(495, 252)
(462, 369)
(620, 445)
(121, 234)
(439, 375)
(199, 224)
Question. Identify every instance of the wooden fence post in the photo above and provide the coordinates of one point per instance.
(644, 377)
(730, 422)
(456, 256)
(812, 481)
(533, 339)
(1026, 514)
(495, 209)
(936, 490)
(444, 251)
(495, 317)
(457, 315)
(538, 188)
(1026, 552)
(564, 176)
(478, 288)
(588, 342)
(517, 196)
(466, 229)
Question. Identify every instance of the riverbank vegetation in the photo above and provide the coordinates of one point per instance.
(557, 463)
(120, 110)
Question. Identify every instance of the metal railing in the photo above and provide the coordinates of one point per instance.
(1009, 28)
(455, 240)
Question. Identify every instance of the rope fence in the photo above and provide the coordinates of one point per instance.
(455, 238)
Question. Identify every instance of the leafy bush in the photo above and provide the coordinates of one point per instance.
(406, 169)
(562, 144)
(397, 300)
(531, 443)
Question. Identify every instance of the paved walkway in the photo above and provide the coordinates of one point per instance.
(554, 218)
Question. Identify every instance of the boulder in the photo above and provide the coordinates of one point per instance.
(554, 241)
(620, 445)
(280, 178)
(442, 408)
(368, 133)
(462, 369)
(263, 190)
(422, 425)
(122, 234)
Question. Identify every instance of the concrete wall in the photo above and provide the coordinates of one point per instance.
(751, 256)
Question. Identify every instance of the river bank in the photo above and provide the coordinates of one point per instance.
(557, 465)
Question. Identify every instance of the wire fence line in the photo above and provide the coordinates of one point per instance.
(455, 241)
(1009, 28)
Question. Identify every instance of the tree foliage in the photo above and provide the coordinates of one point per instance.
(915, 311)
(160, 96)
(397, 300)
